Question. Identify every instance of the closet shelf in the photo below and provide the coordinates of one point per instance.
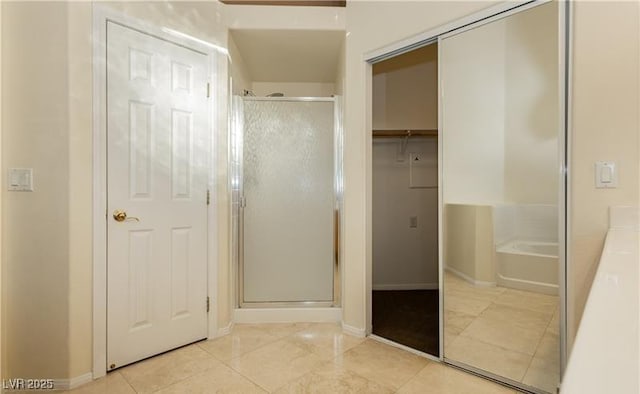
(405, 133)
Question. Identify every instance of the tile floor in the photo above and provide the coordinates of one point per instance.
(289, 358)
(508, 332)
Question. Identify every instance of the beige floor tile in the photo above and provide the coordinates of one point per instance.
(439, 378)
(487, 357)
(524, 299)
(517, 317)
(275, 364)
(161, 371)
(281, 330)
(453, 280)
(113, 383)
(505, 334)
(465, 304)
(219, 379)
(554, 325)
(325, 340)
(549, 349)
(332, 378)
(542, 374)
(456, 322)
(383, 364)
(478, 292)
(243, 339)
(449, 337)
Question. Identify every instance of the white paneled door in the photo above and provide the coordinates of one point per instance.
(157, 174)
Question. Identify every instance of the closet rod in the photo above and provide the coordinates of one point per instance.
(405, 133)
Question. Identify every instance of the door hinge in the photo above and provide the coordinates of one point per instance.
(207, 304)
(208, 197)
(208, 90)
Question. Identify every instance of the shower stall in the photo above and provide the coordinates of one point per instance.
(286, 182)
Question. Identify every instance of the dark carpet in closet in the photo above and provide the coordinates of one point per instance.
(408, 317)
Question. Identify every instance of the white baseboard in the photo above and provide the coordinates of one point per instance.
(69, 384)
(528, 285)
(407, 286)
(287, 315)
(222, 331)
(469, 279)
(356, 332)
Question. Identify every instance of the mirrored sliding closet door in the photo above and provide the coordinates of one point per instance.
(502, 152)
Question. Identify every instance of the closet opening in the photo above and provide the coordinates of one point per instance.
(405, 299)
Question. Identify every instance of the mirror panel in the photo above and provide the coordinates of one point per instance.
(500, 159)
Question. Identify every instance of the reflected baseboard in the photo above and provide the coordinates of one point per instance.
(469, 279)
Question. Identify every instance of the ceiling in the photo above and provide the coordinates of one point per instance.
(290, 55)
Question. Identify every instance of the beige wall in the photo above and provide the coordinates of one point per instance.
(340, 71)
(402, 255)
(469, 242)
(240, 77)
(259, 17)
(606, 64)
(531, 107)
(35, 127)
(405, 91)
(80, 192)
(500, 111)
(473, 115)
(295, 89)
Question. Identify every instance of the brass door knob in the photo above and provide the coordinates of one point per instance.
(121, 216)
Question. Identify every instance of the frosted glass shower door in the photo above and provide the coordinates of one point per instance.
(288, 178)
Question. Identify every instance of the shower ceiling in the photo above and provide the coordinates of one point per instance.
(290, 55)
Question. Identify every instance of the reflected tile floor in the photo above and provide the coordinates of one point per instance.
(508, 332)
(289, 358)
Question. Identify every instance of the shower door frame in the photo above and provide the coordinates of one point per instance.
(238, 200)
(478, 19)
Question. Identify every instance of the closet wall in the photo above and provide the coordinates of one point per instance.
(405, 227)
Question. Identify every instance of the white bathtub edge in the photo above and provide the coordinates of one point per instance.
(507, 247)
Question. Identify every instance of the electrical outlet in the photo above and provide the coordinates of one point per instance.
(413, 222)
(21, 179)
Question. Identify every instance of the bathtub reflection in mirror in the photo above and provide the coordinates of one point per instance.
(500, 191)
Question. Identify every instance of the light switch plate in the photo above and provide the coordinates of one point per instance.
(21, 179)
(606, 173)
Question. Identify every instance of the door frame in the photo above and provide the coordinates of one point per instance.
(101, 15)
(434, 35)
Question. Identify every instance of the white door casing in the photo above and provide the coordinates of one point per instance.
(157, 172)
